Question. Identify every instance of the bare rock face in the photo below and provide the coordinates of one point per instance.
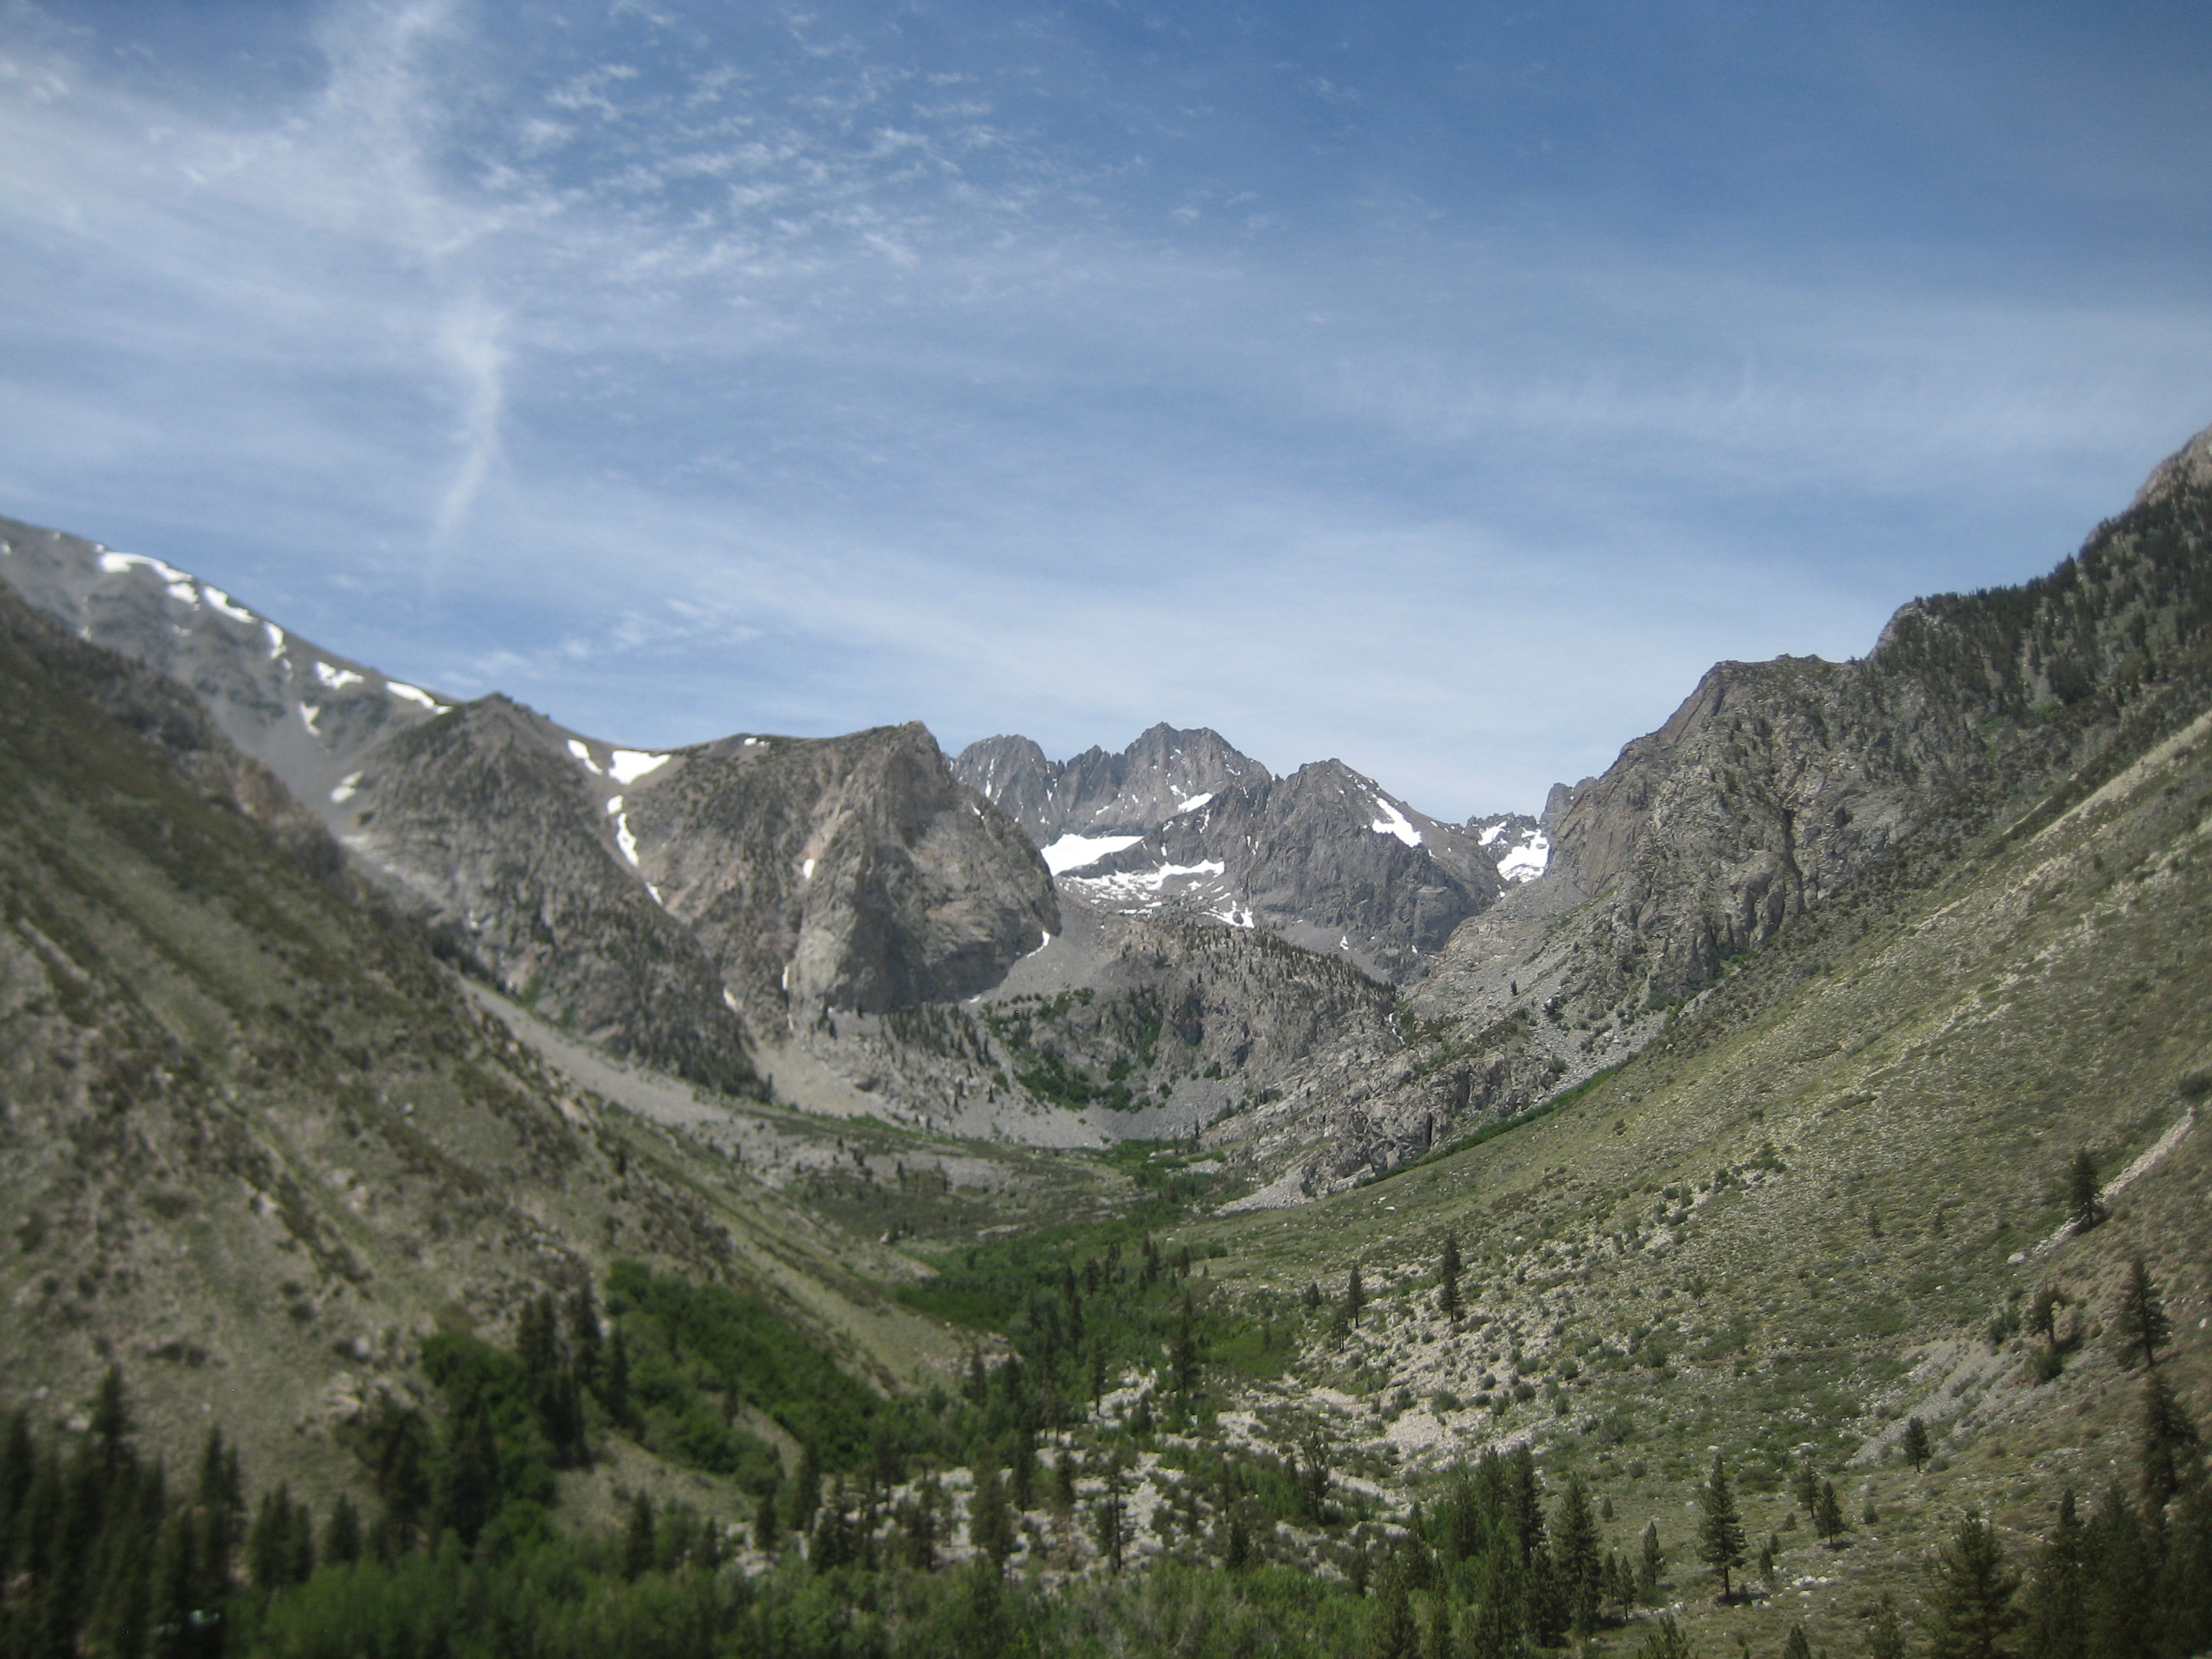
(663, 901)
(1776, 784)
(493, 826)
(1182, 821)
(1776, 789)
(853, 873)
(306, 714)
(1162, 773)
(655, 903)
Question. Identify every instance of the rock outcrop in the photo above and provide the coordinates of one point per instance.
(1182, 821)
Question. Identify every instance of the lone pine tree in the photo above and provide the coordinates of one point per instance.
(2141, 1327)
(2085, 1204)
(1828, 1514)
(1970, 1607)
(1915, 1444)
(1720, 1527)
(1448, 1278)
(2169, 1449)
(1651, 1562)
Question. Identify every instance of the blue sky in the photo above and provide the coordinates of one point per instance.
(1437, 387)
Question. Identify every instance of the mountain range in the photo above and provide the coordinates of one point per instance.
(1769, 1091)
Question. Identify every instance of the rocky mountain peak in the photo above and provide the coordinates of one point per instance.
(2189, 467)
(1164, 771)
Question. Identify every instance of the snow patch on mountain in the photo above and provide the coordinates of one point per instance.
(1073, 852)
(627, 765)
(1394, 823)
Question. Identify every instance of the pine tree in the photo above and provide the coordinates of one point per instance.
(918, 1525)
(1184, 1359)
(220, 1498)
(1355, 1298)
(1915, 1445)
(2141, 1327)
(990, 1522)
(2043, 1313)
(468, 1475)
(584, 1339)
(806, 1490)
(1796, 1647)
(1022, 1476)
(1545, 1597)
(1720, 1528)
(2085, 1205)
(342, 1534)
(1107, 1519)
(1448, 1278)
(1885, 1630)
(1527, 1491)
(269, 1541)
(1392, 1633)
(111, 1423)
(1828, 1514)
(1237, 1550)
(1970, 1608)
(2052, 1604)
(2169, 1447)
(1805, 1486)
(1581, 1568)
(1666, 1640)
(1439, 1643)
(638, 1538)
(1494, 1631)
(2120, 1578)
(614, 1392)
(1651, 1562)
(768, 1519)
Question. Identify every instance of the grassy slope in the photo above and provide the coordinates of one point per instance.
(1893, 1094)
(256, 1144)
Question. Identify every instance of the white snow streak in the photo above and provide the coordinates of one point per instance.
(1073, 852)
(1394, 823)
(337, 678)
(222, 602)
(1194, 803)
(416, 694)
(624, 839)
(582, 752)
(629, 765)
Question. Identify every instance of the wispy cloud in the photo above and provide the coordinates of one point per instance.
(690, 368)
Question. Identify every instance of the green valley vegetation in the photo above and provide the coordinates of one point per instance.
(106, 1555)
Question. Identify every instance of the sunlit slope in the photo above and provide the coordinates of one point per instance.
(1792, 1222)
(256, 1143)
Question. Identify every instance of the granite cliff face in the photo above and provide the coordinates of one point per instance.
(1776, 784)
(1162, 772)
(851, 873)
(663, 903)
(671, 906)
(1180, 821)
(1778, 793)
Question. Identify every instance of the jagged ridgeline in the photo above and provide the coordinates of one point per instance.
(1776, 789)
(1779, 1227)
